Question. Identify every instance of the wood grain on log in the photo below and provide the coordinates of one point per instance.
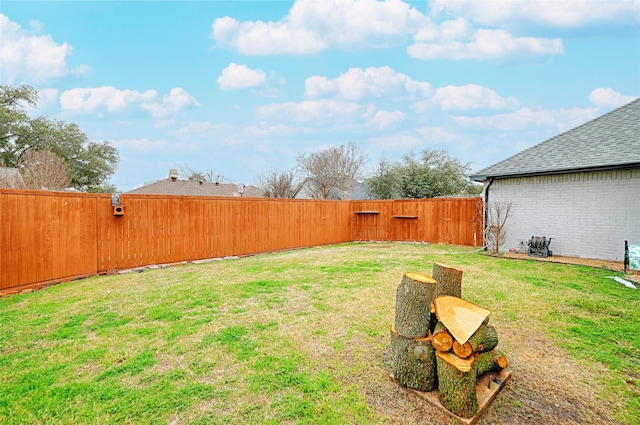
(461, 317)
(463, 365)
(441, 339)
(413, 305)
(472, 344)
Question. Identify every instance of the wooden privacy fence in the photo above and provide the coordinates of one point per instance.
(48, 237)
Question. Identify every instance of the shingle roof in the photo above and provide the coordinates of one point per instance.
(608, 142)
(169, 186)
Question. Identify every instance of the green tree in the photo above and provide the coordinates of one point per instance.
(385, 183)
(433, 173)
(90, 164)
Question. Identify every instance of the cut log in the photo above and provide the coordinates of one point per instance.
(490, 361)
(472, 345)
(461, 317)
(449, 280)
(463, 365)
(413, 305)
(414, 362)
(490, 340)
(457, 389)
(441, 339)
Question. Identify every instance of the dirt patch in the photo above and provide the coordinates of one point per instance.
(616, 266)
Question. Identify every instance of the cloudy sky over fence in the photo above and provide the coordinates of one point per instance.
(238, 87)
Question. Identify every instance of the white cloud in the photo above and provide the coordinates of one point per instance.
(318, 112)
(553, 13)
(526, 118)
(237, 76)
(314, 26)
(33, 59)
(88, 100)
(486, 44)
(48, 97)
(438, 135)
(387, 119)
(609, 98)
(372, 82)
(205, 131)
(111, 99)
(177, 100)
(467, 97)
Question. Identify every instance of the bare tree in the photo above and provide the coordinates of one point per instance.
(10, 178)
(195, 175)
(498, 212)
(44, 170)
(278, 184)
(333, 167)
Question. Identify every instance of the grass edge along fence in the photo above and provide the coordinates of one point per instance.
(52, 237)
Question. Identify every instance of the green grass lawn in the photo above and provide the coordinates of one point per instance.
(303, 336)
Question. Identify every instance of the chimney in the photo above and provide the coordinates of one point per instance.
(173, 174)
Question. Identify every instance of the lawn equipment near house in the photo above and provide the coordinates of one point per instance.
(539, 246)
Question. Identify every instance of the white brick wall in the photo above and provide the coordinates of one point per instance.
(588, 215)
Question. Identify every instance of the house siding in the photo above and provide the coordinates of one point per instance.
(588, 214)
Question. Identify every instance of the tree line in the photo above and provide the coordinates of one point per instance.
(430, 174)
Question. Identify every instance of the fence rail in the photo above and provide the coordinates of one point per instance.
(48, 237)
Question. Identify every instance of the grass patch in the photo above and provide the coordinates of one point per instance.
(301, 337)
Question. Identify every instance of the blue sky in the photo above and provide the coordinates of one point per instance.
(239, 87)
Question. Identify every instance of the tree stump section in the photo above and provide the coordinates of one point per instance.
(413, 305)
(491, 361)
(441, 339)
(474, 342)
(414, 362)
(457, 387)
(490, 340)
(449, 280)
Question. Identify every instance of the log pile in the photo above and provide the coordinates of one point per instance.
(441, 341)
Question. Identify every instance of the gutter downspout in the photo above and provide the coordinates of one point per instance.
(486, 209)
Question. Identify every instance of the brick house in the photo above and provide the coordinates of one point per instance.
(581, 188)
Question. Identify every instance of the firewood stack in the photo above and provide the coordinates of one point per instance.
(441, 341)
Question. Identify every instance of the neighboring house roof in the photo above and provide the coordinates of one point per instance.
(611, 141)
(171, 186)
(11, 178)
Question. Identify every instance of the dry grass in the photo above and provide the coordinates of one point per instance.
(300, 337)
